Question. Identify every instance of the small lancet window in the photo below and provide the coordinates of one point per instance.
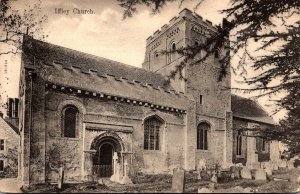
(173, 47)
(201, 99)
(70, 121)
(216, 54)
(239, 143)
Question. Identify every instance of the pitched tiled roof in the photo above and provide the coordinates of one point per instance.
(105, 76)
(5, 123)
(249, 109)
(50, 53)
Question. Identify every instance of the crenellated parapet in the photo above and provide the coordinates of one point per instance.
(185, 14)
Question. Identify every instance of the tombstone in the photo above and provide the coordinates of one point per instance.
(118, 176)
(237, 189)
(269, 171)
(205, 175)
(126, 179)
(294, 176)
(202, 165)
(178, 180)
(100, 182)
(199, 175)
(260, 174)
(290, 164)
(235, 172)
(214, 179)
(248, 190)
(204, 190)
(246, 173)
(61, 178)
(114, 176)
(275, 165)
(212, 186)
(282, 164)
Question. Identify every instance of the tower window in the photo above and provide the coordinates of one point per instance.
(216, 54)
(202, 136)
(201, 99)
(1, 144)
(263, 147)
(1, 165)
(239, 143)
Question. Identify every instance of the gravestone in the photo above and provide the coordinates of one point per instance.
(100, 182)
(178, 180)
(246, 173)
(260, 174)
(204, 190)
(235, 172)
(269, 171)
(202, 165)
(199, 175)
(248, 190)
(118, 176)
(290, 164)
(114, 176)
(61, 178)
(126, 179)
(294, 176)
(214, 179)
(205, 175)
(212, 186)
(282, 164)
(275, 165)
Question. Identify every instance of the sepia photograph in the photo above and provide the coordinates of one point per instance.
(149, 96)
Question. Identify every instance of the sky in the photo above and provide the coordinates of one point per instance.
(106, 34)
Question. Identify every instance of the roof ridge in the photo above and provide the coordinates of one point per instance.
(93, 56)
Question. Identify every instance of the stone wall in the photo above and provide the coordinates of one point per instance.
(251, 151)
(10, 153)
(202, 79)
(98, 116)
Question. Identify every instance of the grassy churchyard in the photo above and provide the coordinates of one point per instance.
(230, 182)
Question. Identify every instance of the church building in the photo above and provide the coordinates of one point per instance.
(86, 113)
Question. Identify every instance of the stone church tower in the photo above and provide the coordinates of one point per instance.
(212, 98)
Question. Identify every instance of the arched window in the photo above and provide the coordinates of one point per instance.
(216, 54)
(239, 143)
(155, 54)
(202, 137)
(173, 47)
(151, 133)
(70, 122)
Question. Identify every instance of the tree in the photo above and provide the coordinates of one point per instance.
(14, 23)
(271, 25)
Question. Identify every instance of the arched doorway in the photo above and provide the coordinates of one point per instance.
(105, 147)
